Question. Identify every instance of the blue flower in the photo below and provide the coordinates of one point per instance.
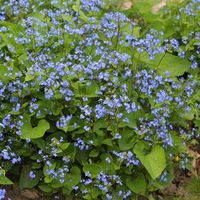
(32, 175)
(2, 194)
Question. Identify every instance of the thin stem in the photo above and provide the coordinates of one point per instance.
(161, 60)
(118, 33)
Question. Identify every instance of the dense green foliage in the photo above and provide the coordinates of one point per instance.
(97, 103)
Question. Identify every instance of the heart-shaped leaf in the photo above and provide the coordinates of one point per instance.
(154, 162)
(27, 131)
(165, 62)
(26, 181)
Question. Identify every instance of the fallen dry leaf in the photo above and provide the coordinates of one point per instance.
(157, 7)
(30, 194)
(193, 151)
(126, 5)
(163, 3)
(169, 191)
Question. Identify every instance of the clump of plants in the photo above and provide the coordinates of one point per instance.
(94, 104)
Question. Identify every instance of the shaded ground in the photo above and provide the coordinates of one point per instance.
(184, 187)
(13, 192)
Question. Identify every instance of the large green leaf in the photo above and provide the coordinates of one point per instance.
(100, 123)
(26, 181)
(131, 119)
(108, 167)
(27, 131)
(94, 169)
(74, 176)
(165, 62)
(175, 65)
(137, 184)
(154, 162)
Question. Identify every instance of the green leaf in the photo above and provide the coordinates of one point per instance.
(83, 16)
(178, 142)
(36, 165)
(151, 197)
(67, 17)
(165, 62)
(197, 123)
(26, 181)
(4, 70)
(5, 181)
(29, 132)
(131, 118)
(169, 178)
(45, 188)
(100, 123)
(87, 90)
(154, 162)
(75, 175)
(64, 146)
(94, 153)
(137, 184)
(39, 142)
(77, 6)
(38, 15)
(94, 169)
(95, 193)
(107, 142)
(29, 77)
(175, 65)
(71, 152)
(48, 179)
(108, 167)
(127, 140)
(188, 115)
